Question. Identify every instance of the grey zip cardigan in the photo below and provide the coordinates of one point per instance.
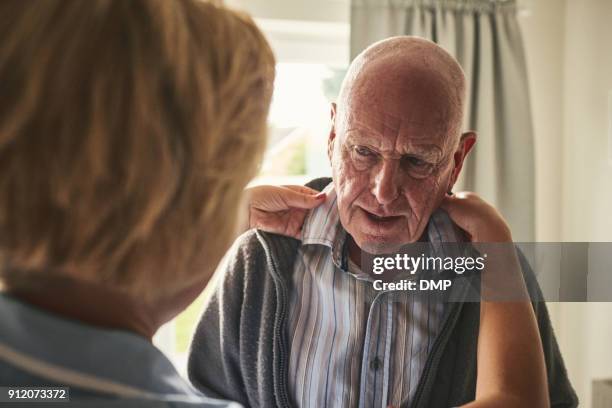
(240, 349)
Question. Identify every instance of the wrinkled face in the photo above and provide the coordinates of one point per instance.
(392, 155)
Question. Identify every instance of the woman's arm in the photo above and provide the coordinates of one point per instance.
(511, 368)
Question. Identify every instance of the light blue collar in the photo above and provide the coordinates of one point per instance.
(39, 342)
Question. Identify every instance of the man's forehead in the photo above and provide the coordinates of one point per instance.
(383, 128)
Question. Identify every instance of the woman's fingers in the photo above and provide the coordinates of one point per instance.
(281, 209)
(301, 189)
(282, 198)
(302, 197)
(288, 223)
(476, 217)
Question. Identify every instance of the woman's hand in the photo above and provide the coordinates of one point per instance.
(479, 219)
(281, 209)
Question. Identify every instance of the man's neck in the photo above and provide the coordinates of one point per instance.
(89, 303)
(354, 252)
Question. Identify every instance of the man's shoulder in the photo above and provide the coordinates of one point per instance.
(255, 253)
(246, 253)
(319, 183)
(247, 242)
(257, 243)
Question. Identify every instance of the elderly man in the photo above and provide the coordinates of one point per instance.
(300, 323)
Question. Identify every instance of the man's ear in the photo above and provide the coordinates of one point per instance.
(466, 143)
(332, 131)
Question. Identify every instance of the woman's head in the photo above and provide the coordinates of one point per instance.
(128, 130)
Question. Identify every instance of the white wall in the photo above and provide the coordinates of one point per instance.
(303, 10)
(315, 31)
(570, 66)
(587, 328)
(588, 80)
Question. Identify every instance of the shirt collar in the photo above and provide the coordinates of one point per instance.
(129, 361)
(322, 226)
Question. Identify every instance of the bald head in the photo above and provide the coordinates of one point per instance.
(407, 77)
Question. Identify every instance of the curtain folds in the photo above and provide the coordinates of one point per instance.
(485, 38)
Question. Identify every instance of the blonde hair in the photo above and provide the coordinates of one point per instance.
(128, 130)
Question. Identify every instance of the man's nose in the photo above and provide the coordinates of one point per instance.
(386, 182)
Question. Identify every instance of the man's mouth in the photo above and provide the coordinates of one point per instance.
(382, 218)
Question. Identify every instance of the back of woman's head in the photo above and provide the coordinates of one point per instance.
(128, 129)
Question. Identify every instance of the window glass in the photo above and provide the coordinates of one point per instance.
(299, 124)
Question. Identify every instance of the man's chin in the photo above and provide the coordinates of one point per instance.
(379, 247)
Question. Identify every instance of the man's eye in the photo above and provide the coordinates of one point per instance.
(363, 151)
(417, 167)
(416, 162)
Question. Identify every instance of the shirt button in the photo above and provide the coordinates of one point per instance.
(375, 363)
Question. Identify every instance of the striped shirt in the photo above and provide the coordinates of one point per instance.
(350, 345)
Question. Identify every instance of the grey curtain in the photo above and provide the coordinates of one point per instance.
(484, 36)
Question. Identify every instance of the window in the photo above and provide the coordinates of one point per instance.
(311, 62)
